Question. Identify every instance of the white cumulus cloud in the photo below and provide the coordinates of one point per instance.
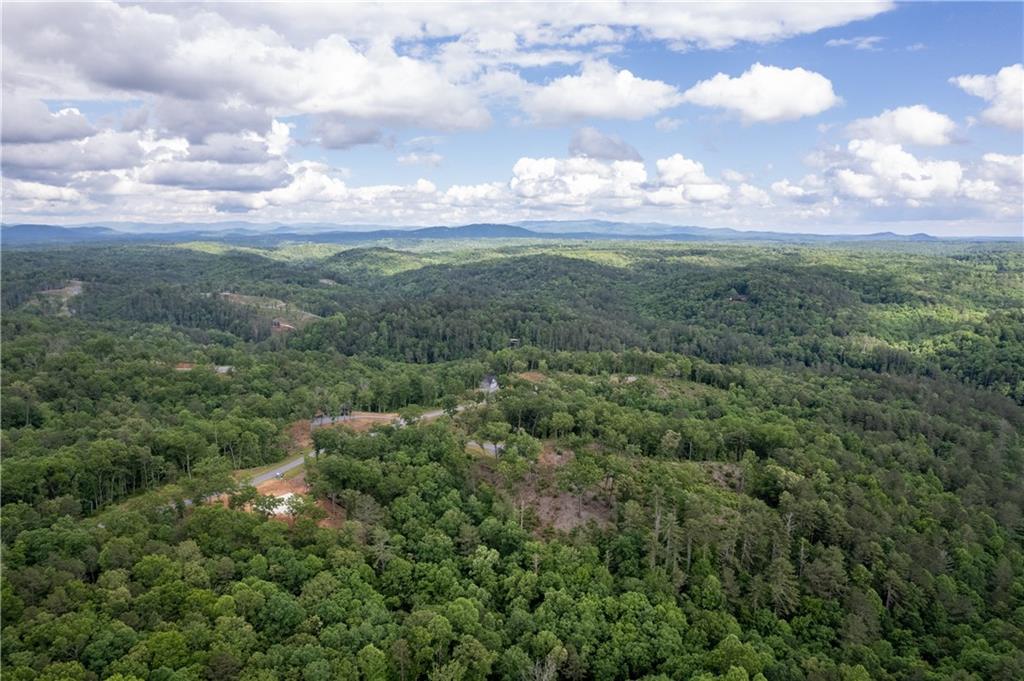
(598, 91)
(749, 194)
(476, 194)
(789, 190)
(1003, 168)
(28, 120)
(684, 180)
(1004, 91)
(906, 125)
(766, 93)
(106, 150)
(577, 180)
(897, 172)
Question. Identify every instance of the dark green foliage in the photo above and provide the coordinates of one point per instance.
(767, 463)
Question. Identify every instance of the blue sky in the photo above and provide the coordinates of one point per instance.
(839, 118)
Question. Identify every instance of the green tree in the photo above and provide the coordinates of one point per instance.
(373, 665)
(669, 445)
(578, 476)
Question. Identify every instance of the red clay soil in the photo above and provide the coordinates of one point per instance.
(335, 517)
(363, 421)
(553, 457)
(335, 514)
(279, 487)
(297, 485)
(299, 439)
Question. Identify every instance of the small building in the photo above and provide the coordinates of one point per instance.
(224, 368)
(489, 384)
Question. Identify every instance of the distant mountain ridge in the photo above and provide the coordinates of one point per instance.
(252, 234)
(44, 234)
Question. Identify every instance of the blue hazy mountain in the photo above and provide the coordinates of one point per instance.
(257, 234)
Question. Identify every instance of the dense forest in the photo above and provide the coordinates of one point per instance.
(739, 462)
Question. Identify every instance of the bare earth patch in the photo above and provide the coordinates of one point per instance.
(560, 510)
(555, 510)
(285, 488)
(286, 317)
(360, 422)
(335, 514)
(300, 435)
(73, 288)
(281, 486)
(723, 474)
(553, 457)
(63, 295)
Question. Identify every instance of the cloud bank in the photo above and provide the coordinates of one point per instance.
(194, 112)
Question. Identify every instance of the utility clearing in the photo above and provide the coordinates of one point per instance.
(285, 316)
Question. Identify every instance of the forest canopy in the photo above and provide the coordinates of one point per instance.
(697, 461)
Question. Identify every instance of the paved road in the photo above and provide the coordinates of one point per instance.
(279, 470)
(431, 415)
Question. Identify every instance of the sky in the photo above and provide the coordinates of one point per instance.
(823, 117)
